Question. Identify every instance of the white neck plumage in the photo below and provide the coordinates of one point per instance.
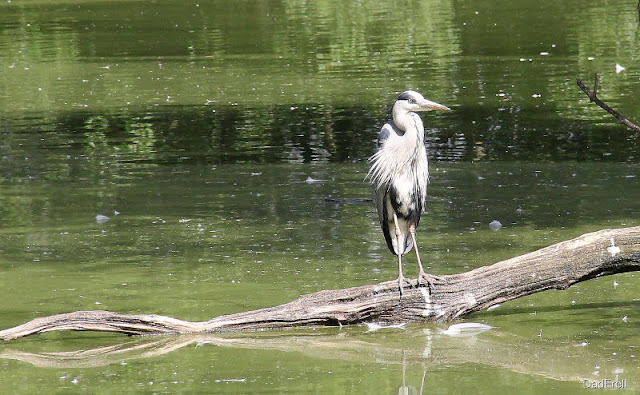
(410, 123)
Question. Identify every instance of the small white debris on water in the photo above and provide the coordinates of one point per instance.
(613, 250)
(625, 319)
(544, 53)
(231, 380)
(495, 306)
(583, 344)
(311, 180)
(372, 326)
(467, 329)
(495, 225)
(615, 284)
(101, 219)
(590, 58)
(619, 68)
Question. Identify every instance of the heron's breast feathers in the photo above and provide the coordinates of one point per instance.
(404, 171)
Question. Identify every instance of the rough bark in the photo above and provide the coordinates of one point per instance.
(559, 266)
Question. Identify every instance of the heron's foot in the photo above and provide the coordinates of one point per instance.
(402, 283)
(427, 280)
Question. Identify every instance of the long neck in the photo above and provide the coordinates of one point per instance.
(409, 122)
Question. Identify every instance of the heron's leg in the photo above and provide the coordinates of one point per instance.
(412, 232)
(421, 273)
(401, 278)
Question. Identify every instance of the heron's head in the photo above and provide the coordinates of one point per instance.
(413, 101)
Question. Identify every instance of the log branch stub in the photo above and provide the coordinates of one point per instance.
(455, 296)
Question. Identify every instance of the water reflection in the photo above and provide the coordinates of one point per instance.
(300, 134)
(416, 356)
(292, 82)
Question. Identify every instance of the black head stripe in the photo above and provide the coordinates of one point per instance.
(405, 96)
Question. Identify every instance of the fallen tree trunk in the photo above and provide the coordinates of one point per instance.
(559, 266)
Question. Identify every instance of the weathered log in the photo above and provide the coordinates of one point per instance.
(558, 266)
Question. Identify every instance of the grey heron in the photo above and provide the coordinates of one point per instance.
(399, 173)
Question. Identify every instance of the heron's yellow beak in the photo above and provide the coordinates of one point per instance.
(428, 105)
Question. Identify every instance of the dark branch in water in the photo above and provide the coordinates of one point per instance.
(594, 98)
(347, 201)
(454, 296)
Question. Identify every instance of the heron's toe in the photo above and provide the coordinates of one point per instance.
(402, 283)
(427, 280)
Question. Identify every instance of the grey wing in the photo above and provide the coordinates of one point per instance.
(379, 198)
(384, 134)
(380, 191)
(384, 216)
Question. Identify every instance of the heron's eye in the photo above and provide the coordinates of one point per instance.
(412, 100)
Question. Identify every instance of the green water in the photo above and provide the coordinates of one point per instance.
(215, 136)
